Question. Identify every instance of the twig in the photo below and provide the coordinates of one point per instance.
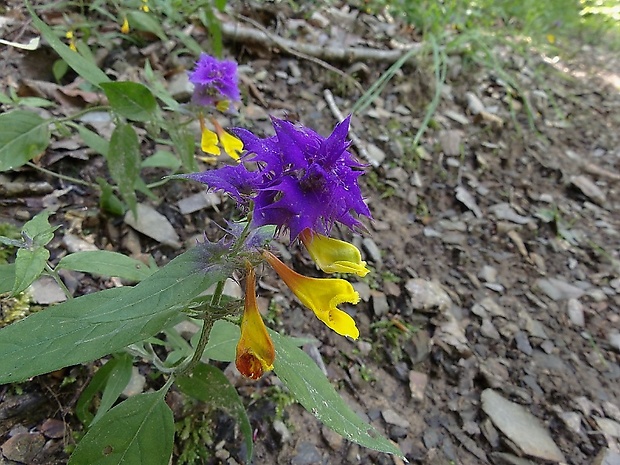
(292, 48)
(359, 145)
(239, 33)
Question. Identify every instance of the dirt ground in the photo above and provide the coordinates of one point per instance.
(490, 330)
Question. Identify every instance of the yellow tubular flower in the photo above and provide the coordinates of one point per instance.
(255, 351)
(125, 26)
(333, 255)
(208, 139)
(69, 35)
(232, 145)
(322, 296)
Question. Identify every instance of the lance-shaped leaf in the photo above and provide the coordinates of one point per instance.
(208, 384)
(89, 327)
(303, 378)
(132, 100)
(111, 379)
(124, 162)
(29, 265)
(81, 65)
(106, 263)
(23, 136)
(7, 277)
(139, 430)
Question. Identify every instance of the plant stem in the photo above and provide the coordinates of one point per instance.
(205, 332)
(62, 176)
(54, 274)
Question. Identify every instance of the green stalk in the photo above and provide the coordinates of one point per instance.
(205, 332)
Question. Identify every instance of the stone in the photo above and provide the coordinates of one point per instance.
(521, 427)
(575, 312)
(608, 427)
(487, 329)
(23, 447)
(333, 439)
(427, 296)
(417, 385)
(450, 142)
(306, 454)
(153, 224)
(376, 155)
(393, 418)
(46, 291)
(77, 244)
(557, 289)
(488, 274)
(465, 197)
(283, 432)
(372, 250)
(136, 383)
(503, 211)
(614, 340)
(523, 343)
(474, 104)
(607, 457)
(380, 303)
(198, 201)
(589, 189)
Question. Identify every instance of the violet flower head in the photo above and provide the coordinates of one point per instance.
(214, 81)
(309, 181)
(303, 179)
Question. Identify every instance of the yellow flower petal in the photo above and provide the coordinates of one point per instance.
(332, 255)
(125, 26)
(322, 296)
(232, 145)
(223, 105)
(255, 352)
(208, 142)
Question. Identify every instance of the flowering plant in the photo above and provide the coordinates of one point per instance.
(295, 182)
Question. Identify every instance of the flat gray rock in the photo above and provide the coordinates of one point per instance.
(521, 427)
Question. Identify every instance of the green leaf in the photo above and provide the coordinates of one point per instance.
(95, 325)
(124, 162)
(106, 263)
(59, 69)
(308, 384)
(108, 201)
(222, 341)
(23, 136)
(132, 100)
(162, 159)
(146, 22)
(84, 67)
(110, 379)
(208, 384)
(28, 267)
(185, 145)
(7, 277)
(38, 229)
(138, 431)
(94, 141)
(157, 86)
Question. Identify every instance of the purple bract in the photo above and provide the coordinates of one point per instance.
(214, 81)
(303, 180)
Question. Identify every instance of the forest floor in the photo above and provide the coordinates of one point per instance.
(490, 324)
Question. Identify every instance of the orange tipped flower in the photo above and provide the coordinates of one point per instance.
(322, 296)
(255, 352)
(332, 255)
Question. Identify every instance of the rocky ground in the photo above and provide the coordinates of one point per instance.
(490, 330)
